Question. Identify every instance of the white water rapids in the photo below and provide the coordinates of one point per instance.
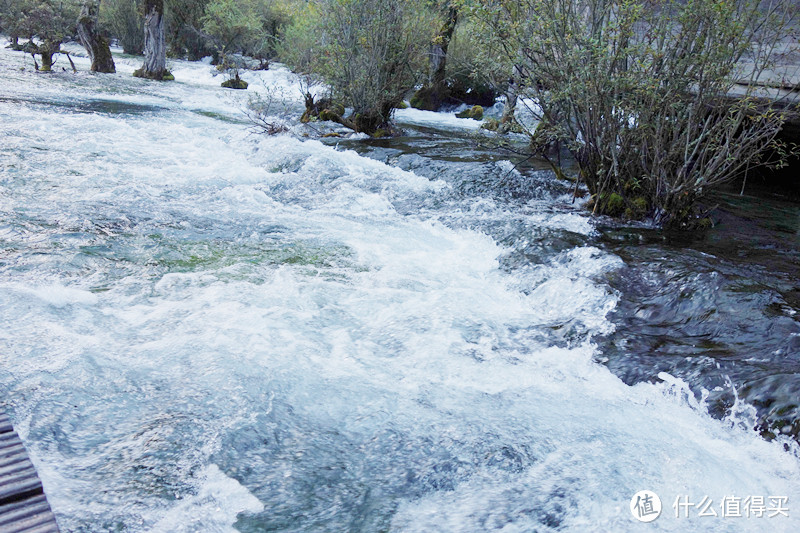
(208, 331)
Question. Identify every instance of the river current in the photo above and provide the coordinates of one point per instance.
(206, 330)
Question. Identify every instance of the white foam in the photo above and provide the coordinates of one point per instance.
(214, 508)
(234, 273)
(444, 120)
(53, 294)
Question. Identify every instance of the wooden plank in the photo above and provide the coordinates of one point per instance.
(30, 521)
(19, 486)
(12, 512)
(12, 450)
(5, 424)
(42, 528)
(13, 457)
(23, 505)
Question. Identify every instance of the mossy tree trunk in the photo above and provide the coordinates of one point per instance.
(155, 49)
(96, 45)
(511, 94)
(436, 92)
(375, 122)
(439, 49)
(47, 50)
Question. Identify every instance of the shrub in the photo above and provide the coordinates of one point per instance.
(370, 52)
(638, 91)
(50, 22)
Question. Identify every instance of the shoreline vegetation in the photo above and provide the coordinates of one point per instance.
(649, 106)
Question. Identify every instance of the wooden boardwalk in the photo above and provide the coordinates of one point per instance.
(23, 507)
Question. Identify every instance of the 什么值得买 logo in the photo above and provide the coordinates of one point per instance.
(645, 506)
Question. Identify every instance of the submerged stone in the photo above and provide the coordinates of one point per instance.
(475, 112)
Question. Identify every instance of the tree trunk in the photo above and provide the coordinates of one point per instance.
(439, 49)
(375, 122)
(155, 50)
(511, 101)
(510, 106)
(435, 93)
(96, 45)
(47, 61)
(47, 50)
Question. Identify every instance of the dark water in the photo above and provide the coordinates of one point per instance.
(719, 307)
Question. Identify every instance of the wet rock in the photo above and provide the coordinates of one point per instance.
(475, 113)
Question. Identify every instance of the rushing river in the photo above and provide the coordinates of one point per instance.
(206, 330)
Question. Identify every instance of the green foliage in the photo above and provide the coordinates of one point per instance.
(614, 204)
(474, 73)
(230, 24)
(636, 90)
(123, 20)
(183, 21)
(246, 26)
(7, 20)
(272, 16)
(370, 52)
(297, 46)
(47, 22)
(470, 59)
(196, 28)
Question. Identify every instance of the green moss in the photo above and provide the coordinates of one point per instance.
(705, 223)
(637, 209)
(614, 205)
(380, 133)
(163, 76)
(401, 105)
(235, 83)
(475, 113)
(425, 99)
